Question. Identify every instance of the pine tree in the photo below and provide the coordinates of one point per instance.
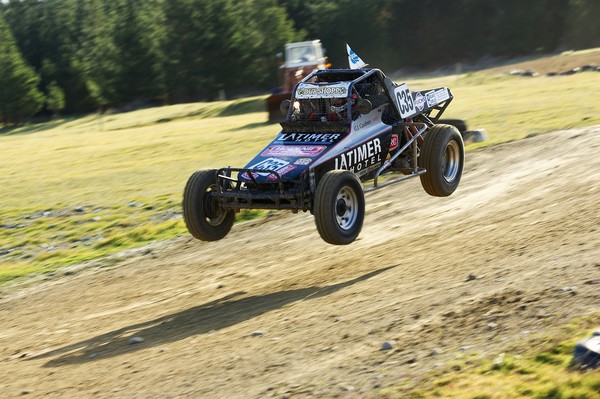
(19, 95)
(55, 98)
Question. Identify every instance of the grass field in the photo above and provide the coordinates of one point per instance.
(81, 188)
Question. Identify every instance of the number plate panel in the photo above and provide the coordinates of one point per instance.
(404, 101)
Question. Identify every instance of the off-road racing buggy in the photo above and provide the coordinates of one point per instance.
(342, 127)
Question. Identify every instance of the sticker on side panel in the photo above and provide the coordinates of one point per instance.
(395, 143)
(431, 98)
(325, 138)
(247, 177)
(269, 164)
(362, 159)
(293, 150)
(282, 171)
(303, 161)
(419, 101)
(442, 95)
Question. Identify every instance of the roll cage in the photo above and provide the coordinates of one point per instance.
(332, 96)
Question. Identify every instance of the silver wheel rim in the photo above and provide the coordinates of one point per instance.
(451, 161)
(346, 208)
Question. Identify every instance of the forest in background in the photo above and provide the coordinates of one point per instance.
(74, 56)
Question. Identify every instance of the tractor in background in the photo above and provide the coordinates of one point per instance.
(301, 58)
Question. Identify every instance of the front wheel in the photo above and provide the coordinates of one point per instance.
(339, 207)
(204, 218)
(443, 156)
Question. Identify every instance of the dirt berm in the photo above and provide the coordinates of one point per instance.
(273, 311)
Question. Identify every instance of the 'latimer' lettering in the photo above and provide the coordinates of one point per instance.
(309, 137)
(361, 157)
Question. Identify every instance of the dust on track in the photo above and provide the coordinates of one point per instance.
(273, 311)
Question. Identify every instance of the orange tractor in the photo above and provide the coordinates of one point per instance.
(301, 58)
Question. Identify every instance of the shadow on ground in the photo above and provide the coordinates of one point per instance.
(202, 319)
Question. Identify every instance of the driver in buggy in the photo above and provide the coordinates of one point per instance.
(336, 110)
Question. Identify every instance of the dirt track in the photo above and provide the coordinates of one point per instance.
(273, 311)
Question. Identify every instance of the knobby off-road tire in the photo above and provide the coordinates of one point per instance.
(339, 207)
(443, 156)
(204, 218)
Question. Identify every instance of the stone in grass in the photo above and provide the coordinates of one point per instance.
(572, 290)
(387, 345)
(135, 340)
(257, 333)
(587, 353)
(436, 352)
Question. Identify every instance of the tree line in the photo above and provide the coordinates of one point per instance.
(78, 56)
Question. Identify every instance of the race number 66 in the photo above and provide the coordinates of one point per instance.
(405, 100)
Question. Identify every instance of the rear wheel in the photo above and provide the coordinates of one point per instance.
(339, 207)
(443, 156)
(204, 218)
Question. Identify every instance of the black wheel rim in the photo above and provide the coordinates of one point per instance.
(214, 214)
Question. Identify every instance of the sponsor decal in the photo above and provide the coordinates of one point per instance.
(363, 121)
(328, 138)
(442, 95)
(431, 98)
(245, 176)
(395, 143)
(329, 91)
(293, 150)
(360, 125)
(303, 161)
(282, 171)
(419, 101)
(368, 169)
(273, 164)
(361, 159)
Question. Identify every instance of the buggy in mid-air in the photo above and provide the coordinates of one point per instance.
(342, 127)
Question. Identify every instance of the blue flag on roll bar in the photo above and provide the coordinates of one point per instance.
(354, 60)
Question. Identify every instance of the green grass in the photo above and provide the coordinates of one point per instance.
(512, 107)
(81, 188)
(541, 370)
